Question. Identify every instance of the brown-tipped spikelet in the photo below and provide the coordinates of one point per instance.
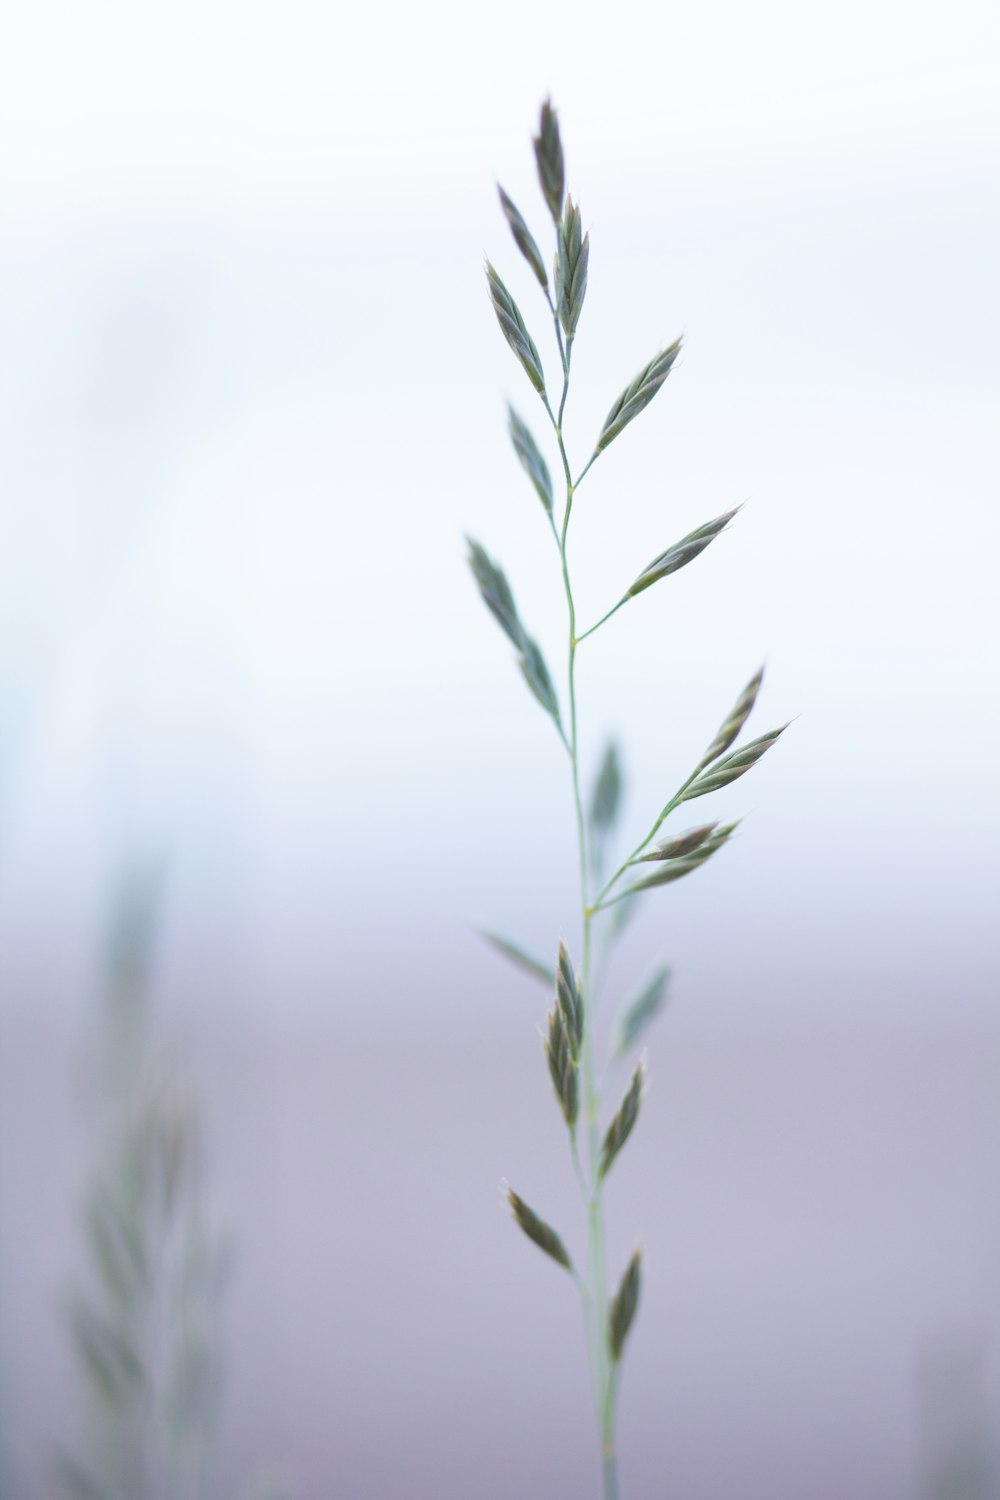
(637, 396)
(734, 723)
(562, 1066)
(523, 238)
(625, 1117)
(543, 1235)
(733, 766)
(680, 844)
(681, 553)
(514, 331)
(623, 1306)
(568, 999)
(675, 869)
(549, 156)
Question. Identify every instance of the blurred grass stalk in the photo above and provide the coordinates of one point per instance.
(144, 1315)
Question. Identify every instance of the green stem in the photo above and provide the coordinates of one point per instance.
(664, 815)
(623, 600)
(597, 1313)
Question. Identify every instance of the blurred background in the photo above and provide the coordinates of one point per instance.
(251, 396)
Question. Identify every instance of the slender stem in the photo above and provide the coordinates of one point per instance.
(586, 468)
(664, 815)
(559, 340)
(596, 1314)
(623, 600)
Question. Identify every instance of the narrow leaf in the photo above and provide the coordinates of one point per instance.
(637, 396)
(520, 958)
(681, 553)
(644, 1009)
(523, 238)
(549, 156)
(623, 1307)
(543, 1235)
(532, 461)
(731, 767)
(514, 331)
(605, 800)
(622, 1125)
(738, 716)
(81, 1483)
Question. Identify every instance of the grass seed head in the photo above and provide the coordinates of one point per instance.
(637, 396)
(542, 1234)
(624, 1305)
(568, 998)
(549, 157)
(732, 767)
(622, 1125)
(562, 1066)
(523, 238)
(531, 459)
(513, 328)
(572, 262)
(738, 716)
(680, 844)
(681, 553)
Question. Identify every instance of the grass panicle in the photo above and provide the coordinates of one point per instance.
(580, 1068)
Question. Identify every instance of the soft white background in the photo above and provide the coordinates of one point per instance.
(251, 396)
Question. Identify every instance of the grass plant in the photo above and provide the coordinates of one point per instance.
(581, 1077)
(145, 1314)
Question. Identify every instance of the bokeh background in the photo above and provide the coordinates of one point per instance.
(251, 396)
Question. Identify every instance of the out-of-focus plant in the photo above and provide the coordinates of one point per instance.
(144, 1317)
(607, 899)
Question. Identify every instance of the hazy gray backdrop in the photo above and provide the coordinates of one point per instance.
(251, 395)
